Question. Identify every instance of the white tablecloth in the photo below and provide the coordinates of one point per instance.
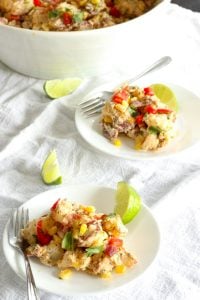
(31, 125)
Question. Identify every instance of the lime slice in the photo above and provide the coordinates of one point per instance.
(57, 88)
(166, 95)
(128, 202)
(50, 170)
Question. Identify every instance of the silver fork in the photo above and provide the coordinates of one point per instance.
(93, 106)
(18, 221)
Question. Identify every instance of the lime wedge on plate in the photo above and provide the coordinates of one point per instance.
(50, 170)
(166, 95)
(57, 88)
(128, 202)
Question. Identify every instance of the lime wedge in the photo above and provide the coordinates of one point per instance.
(128, 202)
(166, 95)
(57, 88)
(50, 170)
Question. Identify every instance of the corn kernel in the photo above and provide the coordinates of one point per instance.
(57, 239)
(138, 142)
(120, 269)
(131, 120)
(120, 107)
(117, 142)
(52, 230)
(76, 265)
(115, 232)
(83, 229)
(106, 275)
(107, 119)
(90, 209)
(125, 103)
(64, 274)
(95, 2)
(83, 2)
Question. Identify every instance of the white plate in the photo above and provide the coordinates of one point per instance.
(142, 240)
(187, 128)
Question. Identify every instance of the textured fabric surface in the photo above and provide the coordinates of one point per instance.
(31, 125)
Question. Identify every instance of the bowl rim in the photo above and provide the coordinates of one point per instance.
(78, 33)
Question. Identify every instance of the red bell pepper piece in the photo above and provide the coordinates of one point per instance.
(163, 111)
(111, 250)
(148, 91)
(14, 18)
(43, 238)
(139, 119)
(113, 246)
(37, 3)
(55, 205)
(109, 3)
(67, 18)
(121, 95)
(114, 12)
(150, 110)
(115, 242)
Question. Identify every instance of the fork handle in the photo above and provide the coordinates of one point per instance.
(31, 287)
(165, 60)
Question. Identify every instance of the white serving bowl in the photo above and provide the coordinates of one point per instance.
(48, 55)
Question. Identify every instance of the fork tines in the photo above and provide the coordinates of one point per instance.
(19, 220)
(92, 106)
(89, 102)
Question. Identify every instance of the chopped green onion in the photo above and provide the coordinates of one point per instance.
(155, 130)
(132, 111)
(94, 250)
(54, 13)
(68, 241)
(111, 215)
(77, 18)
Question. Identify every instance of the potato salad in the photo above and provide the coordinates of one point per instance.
(74, 236)
(140, 115)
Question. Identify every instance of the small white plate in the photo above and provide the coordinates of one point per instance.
(142, 240)
(187, 129)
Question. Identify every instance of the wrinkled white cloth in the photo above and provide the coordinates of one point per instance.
(31, 125)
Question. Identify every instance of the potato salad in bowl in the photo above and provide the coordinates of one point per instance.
(70, 15)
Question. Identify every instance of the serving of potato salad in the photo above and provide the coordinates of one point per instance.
(75, 236)
(140, 115)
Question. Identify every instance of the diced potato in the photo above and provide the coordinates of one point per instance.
(83, 229)
(106, 275)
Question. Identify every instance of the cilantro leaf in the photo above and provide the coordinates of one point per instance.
(53, 13)
(77, 18)
(68, 241)
(155, 130)
(132, 111)
(94, 250)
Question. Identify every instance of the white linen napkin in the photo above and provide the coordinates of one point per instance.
(31, 125)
